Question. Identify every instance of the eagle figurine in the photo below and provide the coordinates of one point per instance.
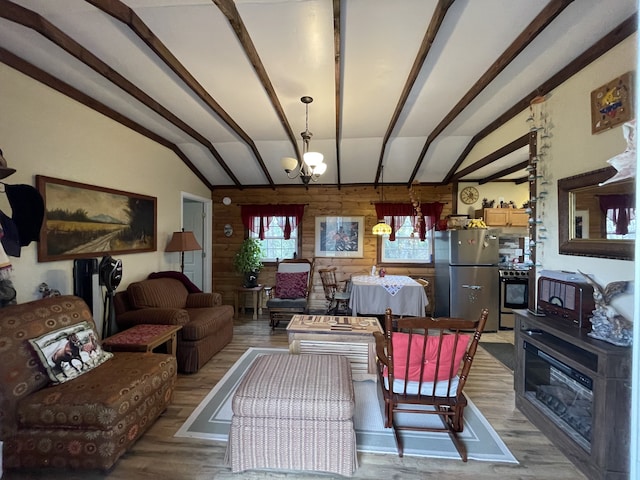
(607, 324)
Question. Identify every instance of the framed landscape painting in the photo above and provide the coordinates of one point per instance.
(83, 221)
(339, 237)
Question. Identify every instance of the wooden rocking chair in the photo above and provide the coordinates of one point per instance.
(422, 369)
(337, 295)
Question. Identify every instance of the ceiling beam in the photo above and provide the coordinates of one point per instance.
(58, 85)
(506, 171)
(126, 15)
(337, 51)
(492, 157)
(542, 20)
(30, 19)
(229, 10)
(434, 26)
(602, 46)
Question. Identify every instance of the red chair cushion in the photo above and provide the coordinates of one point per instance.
(291, 285)
(401, 345)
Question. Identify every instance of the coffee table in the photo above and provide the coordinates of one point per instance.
(331, 335)
(143, 338)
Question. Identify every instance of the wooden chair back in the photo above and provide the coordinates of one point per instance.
(430, 308)
(426, 361)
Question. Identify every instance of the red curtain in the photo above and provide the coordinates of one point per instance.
(292, 215)
(620, 209)
(397, 213)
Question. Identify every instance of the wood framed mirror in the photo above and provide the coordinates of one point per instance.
(583, 228)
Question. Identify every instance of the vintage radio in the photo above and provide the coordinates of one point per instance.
(565, 295)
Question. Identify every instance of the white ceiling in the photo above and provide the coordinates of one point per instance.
(378, 42)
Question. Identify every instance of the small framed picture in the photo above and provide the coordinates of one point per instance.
(611, 104)
(339, 237)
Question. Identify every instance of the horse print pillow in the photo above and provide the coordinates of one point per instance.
(69, 352)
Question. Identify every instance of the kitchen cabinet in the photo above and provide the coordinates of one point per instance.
(504, 217)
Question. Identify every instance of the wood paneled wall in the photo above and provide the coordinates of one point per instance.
(319, 201)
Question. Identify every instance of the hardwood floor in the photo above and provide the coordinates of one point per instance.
(158, 455)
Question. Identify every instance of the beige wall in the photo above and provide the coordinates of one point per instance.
(42, 132)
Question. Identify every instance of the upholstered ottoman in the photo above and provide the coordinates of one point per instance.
(294, 412)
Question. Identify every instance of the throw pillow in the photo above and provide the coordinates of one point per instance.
(69, 352)
(291, 285)
(401, 347)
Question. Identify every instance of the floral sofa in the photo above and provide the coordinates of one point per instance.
(64, 401)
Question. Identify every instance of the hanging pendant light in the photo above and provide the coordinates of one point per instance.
(312, 165)
(381, 228)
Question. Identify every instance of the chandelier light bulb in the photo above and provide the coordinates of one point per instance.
(320, 168)
(313, 159)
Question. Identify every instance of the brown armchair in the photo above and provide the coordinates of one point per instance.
(207, 325)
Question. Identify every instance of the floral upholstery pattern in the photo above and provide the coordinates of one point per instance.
(87, 422)
(291, 285)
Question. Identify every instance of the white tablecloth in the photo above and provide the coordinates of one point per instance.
(372, 295)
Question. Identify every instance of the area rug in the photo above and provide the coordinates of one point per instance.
(212, 418)
(503, 352)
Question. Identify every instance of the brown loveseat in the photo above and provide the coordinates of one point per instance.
(207, 325)
(88, 421)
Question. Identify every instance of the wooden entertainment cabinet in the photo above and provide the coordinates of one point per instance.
(606, 368)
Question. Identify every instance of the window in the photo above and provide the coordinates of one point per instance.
(613, 231)
(407, 247)
(274, 245)
(276, 227)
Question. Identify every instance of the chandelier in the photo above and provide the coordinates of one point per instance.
(312, 165)
(381, 228)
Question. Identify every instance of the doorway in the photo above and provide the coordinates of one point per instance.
(197, 217)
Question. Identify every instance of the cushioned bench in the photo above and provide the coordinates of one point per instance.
(294, 412)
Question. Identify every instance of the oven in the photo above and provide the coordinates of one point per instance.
(514, 294)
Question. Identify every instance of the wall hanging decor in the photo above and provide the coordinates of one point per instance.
(611, 104)
(339, 237)
(88, 221)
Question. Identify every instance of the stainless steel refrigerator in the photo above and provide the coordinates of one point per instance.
(467, 280)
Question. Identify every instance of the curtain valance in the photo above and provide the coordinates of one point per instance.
(291, 215)
(397, 213)
(620, 209)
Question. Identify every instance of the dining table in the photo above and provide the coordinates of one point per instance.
(373, 294)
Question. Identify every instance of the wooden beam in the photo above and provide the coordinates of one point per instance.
(34, 21)
(492, 157)
(126, 15)
(506, 171)
(337, 51)
(229, 10)
(544, 18)
(429, 36)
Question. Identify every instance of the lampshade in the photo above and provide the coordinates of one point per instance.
(289, 164)
(381, 228)
(320, 169)
(183, 242)
(313, 158)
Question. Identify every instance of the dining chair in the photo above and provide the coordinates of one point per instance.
(336, 292)
(430, 308)
(294, 279)
(423, 368)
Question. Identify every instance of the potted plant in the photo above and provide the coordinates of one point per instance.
(247, 261)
